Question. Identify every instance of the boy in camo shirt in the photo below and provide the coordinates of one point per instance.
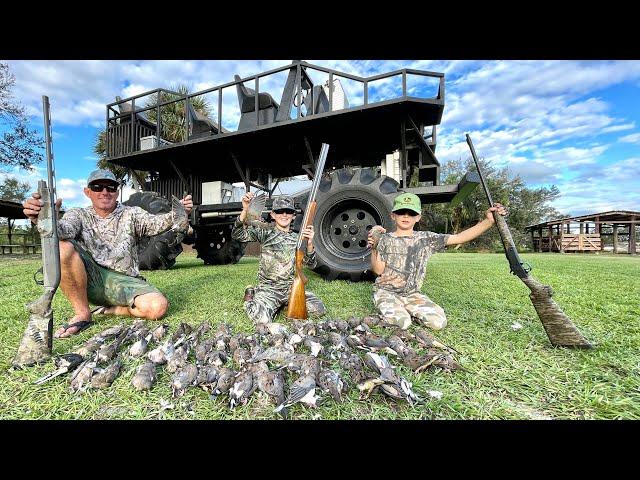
(277, 260)
(400, 260)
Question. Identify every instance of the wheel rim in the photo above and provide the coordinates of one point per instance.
(345, 227)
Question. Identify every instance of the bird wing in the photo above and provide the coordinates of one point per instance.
(299, 389)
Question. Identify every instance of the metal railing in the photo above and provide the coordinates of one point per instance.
(124, 130)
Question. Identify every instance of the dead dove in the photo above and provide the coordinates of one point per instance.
(207, 377)
(271, 383)
(163, 353)
(160, 331)
(216, 358)
(313, 344)
(145, 376)
(65, 363)
(367, 386)
(331, 382)
(139, 348)
(241, 356)
(183, 378)
(354, 366)
(203, 348)
(103, 378)
(243, 387)
(226, 380)
(81, 377)
(280, 354)
(428, 340)
(178, 359)
(303, 390)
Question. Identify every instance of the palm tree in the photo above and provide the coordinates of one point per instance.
(172, 126)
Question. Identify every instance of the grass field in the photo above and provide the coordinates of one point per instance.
(513, 374)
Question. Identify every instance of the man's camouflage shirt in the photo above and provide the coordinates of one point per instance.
(113, 241)
(277, 261)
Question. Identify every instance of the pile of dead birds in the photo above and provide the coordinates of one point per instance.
(313, 358)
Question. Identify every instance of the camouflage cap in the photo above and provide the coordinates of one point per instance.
(283, 202)
(101, 174)
(409, 201)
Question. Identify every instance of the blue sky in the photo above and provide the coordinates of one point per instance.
(575, 124)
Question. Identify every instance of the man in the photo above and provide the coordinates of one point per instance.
(277, 260)
(99, 255)
(400, 258)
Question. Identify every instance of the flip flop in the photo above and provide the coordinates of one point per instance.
(81, 325)
(98, 310)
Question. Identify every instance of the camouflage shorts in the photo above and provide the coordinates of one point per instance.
(267, 301)
(398, 309)
(110, 288)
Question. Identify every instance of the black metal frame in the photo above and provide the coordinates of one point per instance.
(222, 154)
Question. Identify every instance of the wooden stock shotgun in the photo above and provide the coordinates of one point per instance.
(559, 327)
(297, 308)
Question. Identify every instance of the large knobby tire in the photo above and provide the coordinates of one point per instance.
(216, 247)
(158, 252)
(350, 202)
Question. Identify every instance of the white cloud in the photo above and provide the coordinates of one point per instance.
(618, 128)
(633, 138)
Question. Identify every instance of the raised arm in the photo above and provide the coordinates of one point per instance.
(479, 228)
(241, 231)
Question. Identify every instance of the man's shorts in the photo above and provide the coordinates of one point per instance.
(110, 288)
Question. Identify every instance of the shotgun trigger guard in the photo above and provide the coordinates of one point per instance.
(39, 282)
(526, 267)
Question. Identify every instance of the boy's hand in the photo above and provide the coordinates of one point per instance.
(246, 198)
(499, 208)
(308, 233)
(187, 203)
(374, 235)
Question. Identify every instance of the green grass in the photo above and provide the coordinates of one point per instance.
(512, 374)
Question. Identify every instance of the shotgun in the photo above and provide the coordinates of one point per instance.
(559, 327)
(35, 346)
(297, 309)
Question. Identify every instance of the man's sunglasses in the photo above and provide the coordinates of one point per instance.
(406, 211)
(98, 188)
(282, 211)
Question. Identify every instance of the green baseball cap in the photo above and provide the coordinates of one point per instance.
(409, 201)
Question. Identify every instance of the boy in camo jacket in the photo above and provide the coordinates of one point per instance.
(277, 260)
(400, 260)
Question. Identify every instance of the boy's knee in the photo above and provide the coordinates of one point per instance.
(439, 323)
(400, 319)
(436, 322)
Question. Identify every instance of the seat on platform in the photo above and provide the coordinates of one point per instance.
(267, 106)
(201, 125)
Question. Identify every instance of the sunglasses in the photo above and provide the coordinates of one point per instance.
(98, 188)
(282, 211)
(406, 211)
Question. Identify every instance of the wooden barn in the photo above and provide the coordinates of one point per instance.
(611, 231)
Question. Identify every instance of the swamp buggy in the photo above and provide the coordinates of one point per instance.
(381, 131)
